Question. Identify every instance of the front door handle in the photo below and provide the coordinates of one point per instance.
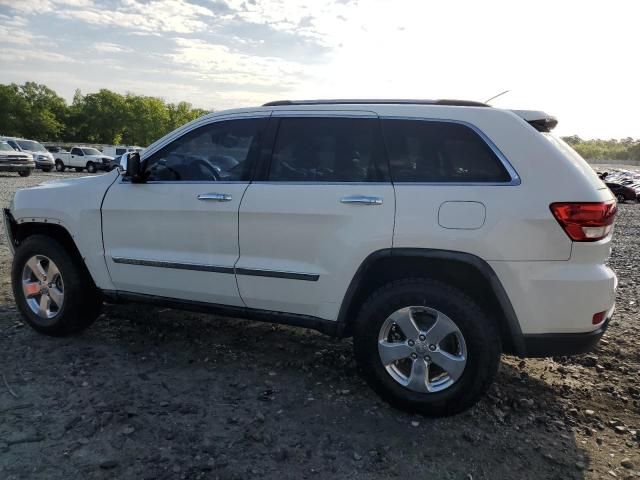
(215, 197)
(362, 199)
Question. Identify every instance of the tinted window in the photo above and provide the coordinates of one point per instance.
(120, 151)
(428, 151)
(76, 151)
(220, 151)
(328, 150)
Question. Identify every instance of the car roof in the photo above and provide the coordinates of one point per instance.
(384, 101)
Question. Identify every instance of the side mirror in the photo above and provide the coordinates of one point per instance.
(132, 167)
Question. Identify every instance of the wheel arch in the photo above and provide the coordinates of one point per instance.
(18, 232)
(468, 272)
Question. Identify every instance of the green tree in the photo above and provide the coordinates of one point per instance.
(148, 119)
(46, 111)
(13, 109)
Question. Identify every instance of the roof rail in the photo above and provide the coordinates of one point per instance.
(361, 101)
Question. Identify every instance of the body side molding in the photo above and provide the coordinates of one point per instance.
(218, 269)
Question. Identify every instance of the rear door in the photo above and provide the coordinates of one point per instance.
(323, 205)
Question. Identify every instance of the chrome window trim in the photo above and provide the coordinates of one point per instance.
(300, 183)
(187, 182)
(515, 177)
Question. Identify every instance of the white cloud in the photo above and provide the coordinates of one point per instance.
(15, 30)
(43, 6)
(218, 63)
(572, 58)
(155, 16)
(106, 47)
(16, 55)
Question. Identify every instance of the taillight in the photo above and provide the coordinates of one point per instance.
(585, 221)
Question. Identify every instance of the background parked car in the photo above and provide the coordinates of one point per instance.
(55, 149)
(42, 157)
(118, 150)
(14, 161)
(622, 192)
(83, 157)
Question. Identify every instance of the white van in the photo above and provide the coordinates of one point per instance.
(117, 150)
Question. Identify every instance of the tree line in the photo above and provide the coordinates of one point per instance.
(37, 112)
(625, 149)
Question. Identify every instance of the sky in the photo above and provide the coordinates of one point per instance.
(577, 60)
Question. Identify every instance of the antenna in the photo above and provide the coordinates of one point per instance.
(496, 96)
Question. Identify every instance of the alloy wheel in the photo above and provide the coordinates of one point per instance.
(43, 287)
(422, 349)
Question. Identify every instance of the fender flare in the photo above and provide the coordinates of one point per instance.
(511, 319)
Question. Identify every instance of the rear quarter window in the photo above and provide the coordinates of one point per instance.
(440, 152)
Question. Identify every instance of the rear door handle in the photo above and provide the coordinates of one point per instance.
(215, 197)
(362, 199)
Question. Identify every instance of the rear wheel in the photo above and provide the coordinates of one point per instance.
(91, 167)
(53, 291)
(60, 167)
(24, 173)
(426, 347)
(620, 198)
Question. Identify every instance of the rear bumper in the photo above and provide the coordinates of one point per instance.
(559, 344)
(555, 302)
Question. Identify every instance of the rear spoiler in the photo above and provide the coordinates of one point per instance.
(543, 122)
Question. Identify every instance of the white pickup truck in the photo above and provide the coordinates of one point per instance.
(81, 158)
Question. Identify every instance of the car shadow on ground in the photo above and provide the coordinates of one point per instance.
(159, 393)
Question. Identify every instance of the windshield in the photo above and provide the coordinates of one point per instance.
(5, 147)
(31, 146)
(91, 151)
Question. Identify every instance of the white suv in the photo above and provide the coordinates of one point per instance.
(439, 234)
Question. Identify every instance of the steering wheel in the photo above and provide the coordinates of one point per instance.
(214, 173)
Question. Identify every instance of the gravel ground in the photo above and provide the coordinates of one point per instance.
(157, 393)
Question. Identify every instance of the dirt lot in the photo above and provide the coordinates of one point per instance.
(156, 393)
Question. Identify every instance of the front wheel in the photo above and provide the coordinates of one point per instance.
(24, 173)
(91, 167)
(620, 198)
(53, 291)
(426, 347)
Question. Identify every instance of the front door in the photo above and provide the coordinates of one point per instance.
(325, 204)
(176, 235)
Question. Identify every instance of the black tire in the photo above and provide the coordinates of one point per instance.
(481, 336)
(620, 198)
(60, 166)
(82, 301)
(79, 169)
(47, 169)
(24, 173)
(91, 167)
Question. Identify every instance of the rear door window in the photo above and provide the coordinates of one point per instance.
(328, 150)
(441, 152)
